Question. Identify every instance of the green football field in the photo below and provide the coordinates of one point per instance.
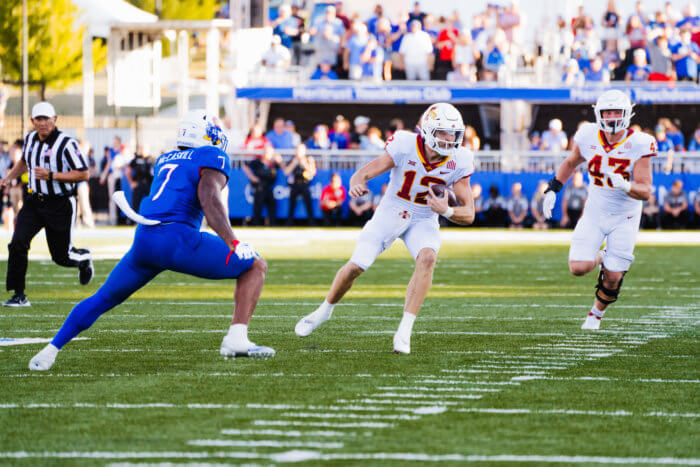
(500, 372)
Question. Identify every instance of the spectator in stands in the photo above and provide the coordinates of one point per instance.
(277, 57)
(663, 144)
(517, 207)
(573, 76)
(361, 124)
(639, 70)
(690, 20)
(332, 198)
(493, 61)
(675, 207)
(661, 64)
(139, 173)
(416, 14)
(430, 26)
(494, 208)
(372, 22)
(300, 171)
(290, 127)
(674, 133)
(636, 33)
(4, 97)
(319, 140)
(694, 144)
(639, 13)
(535, 141)
(327, 44)
(478, 205)
(361, 209)
(280, 137)
(686, 56)
(573, 201)
(262, 173)
(651, 214)
(286, 26)
(255, 140)
(417, 53)
(384, 42)
(374, 141)
(341, 15)
(672, 15)
(112, 175)
(536, 207)
(362, 57)
(339, 136)
(446, 49)
(329, 19)
(611, 57)
(597, 74)
(611, 21)
(471, 140)
(509, 22)
(324, 71)
(555, 138)
(465, 53)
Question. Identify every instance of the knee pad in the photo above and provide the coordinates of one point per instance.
(600, 287)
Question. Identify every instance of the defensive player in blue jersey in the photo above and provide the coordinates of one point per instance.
(186, 187)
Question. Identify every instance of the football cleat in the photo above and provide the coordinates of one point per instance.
(44, 360)
(308, 323)
(592, 322)
(17, 300)
(402, 345)
(230, 349)
(86, 271)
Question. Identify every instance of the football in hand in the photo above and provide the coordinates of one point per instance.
(442, 190)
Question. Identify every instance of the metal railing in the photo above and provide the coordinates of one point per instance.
(486, 161)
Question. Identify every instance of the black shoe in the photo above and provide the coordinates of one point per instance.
(17, 300)
(86, 271)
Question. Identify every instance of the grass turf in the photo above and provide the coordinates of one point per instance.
(499, 330)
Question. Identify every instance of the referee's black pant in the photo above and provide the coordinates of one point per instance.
(57, 216)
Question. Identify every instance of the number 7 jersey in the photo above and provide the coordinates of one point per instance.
(412, 175)
(603, 159)
(173, 196)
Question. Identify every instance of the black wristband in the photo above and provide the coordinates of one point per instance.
(50, 176)
(554, 185)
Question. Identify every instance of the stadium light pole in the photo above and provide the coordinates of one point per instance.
(25, 68)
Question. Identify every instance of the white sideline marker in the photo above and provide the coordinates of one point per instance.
(268, 443)
(289, 433)
(618, 413)
(323, 424)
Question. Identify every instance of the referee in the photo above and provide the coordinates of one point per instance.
(55, 166)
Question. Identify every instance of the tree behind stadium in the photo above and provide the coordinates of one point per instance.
(55, 44)
(178, 9)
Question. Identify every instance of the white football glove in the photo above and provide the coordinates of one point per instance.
(246, 251)
(619, 183)
(550, 199)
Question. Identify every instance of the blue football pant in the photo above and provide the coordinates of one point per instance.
(172, 247)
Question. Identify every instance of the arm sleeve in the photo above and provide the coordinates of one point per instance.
(214, 158)
(72, 156)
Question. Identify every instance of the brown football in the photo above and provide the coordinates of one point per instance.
(440, 190)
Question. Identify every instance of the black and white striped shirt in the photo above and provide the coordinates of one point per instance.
(57, 153)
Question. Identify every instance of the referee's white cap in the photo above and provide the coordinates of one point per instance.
(43, 109)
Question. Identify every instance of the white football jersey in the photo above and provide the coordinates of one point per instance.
(603, 159)
(412, 175)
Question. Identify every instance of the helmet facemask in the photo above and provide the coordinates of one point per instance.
(439, 144)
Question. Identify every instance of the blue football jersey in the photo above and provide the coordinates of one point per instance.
(173, 196)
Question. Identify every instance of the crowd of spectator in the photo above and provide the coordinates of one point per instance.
(642, 45)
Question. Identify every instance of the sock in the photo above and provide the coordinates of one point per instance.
(51, 349)
(239, 333)
(406, 324)
(596, 312)
(326, 309)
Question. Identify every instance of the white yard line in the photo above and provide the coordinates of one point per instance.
(322, 424)
(288, 433)
(380, 456)
(268, 443)
(618, 413)
(348, 416)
